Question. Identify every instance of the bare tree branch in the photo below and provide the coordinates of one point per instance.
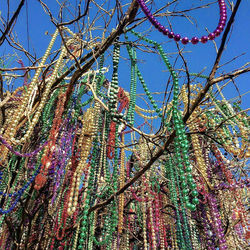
(9, 24)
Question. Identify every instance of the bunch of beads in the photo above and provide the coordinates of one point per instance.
(181, 143)
(85, 141)
(217, 222)
(79, 153)
(11, 130)
(46, 92)
(123, 100)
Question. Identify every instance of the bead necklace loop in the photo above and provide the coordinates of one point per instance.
(186, 40)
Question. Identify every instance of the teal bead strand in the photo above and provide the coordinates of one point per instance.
(186, 226)
(147, 92)
(181, 142)
(140, 77)
(133, 80)
(174, 198)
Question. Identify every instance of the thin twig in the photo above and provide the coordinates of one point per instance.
(14, 17)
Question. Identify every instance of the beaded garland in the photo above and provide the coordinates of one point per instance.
(186, 40)
(83, 155)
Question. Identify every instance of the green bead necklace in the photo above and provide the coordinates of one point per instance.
(181, 142)
(131, 110)
(111, 219)
(147, 92)
(183, 211)
(174, 198)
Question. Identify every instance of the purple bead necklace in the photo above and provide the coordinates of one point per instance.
(186, 40)
(7, 145)
(217, 225)
(235, 185)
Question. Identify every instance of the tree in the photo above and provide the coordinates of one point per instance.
(83, 164)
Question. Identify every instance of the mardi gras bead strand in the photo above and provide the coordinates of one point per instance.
(154, 217)
(195, 139)
(215, 215)
(229, 178)
(114, 215)
(146, 117)
(163, 222)
(155, 106)
(139, 111)
(10, 132)
(48, 113)
(7, 145)
(181, 140)
(61, 217)
(65, 152)
(49, 149)
(112, 219)
(183, 211)
(95, 162)
(105, 148)
(150, 97)
(43, 99)
(121, 182)
(113, 88)
(149, 111)
(131, 109)
(181, 145)
(99, 171)
(185, 40)
(113, 94)
(100, 76)
(93, 218)
(8, 118)
(144, 214)
(85, 139)
(103, 160)
(84, 221)
(75, 237)
(21, 191)
(153, 236)
(173, 195)
(167, 63)
(194, 235)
